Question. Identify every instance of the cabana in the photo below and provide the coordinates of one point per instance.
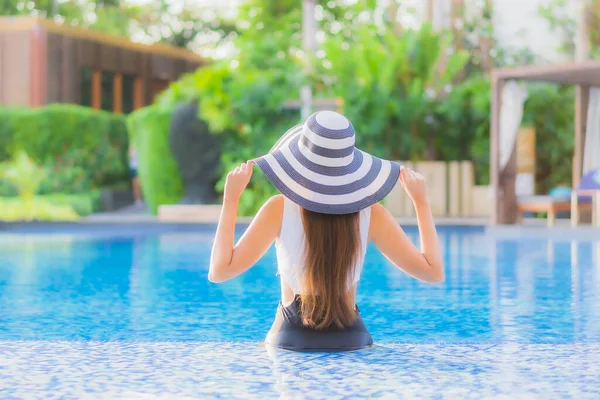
(508, 98)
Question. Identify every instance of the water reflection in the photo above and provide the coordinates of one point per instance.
(155, 288)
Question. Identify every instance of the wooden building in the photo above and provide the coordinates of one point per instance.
(43, 62)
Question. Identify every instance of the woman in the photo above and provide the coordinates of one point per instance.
(328, 212)
(135, 180)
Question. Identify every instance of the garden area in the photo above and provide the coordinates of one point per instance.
(57, 160)
(412, 92)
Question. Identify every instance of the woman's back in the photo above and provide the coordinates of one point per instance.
(291, 248)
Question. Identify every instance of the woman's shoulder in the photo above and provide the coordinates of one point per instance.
(276, 201)
(379, 218)
(274, 206)
(377, 210)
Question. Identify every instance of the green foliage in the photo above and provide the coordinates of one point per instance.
(26, 176)
(63, 177)
(245, 106)
(68, 9)
(83, 204)
(242, 99)
(556, 13)
(157, 170)
(550, 110)
(409, 93)
(180, 24)
(465, 125)
(479, 39)
(6, 133)
(391, 85)
(83, 148)
(13, 210)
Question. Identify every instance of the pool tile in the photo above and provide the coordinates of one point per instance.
(198, 370)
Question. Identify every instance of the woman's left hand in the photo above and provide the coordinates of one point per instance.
(237, 180)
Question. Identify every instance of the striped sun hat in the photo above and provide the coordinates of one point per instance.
(317, 166)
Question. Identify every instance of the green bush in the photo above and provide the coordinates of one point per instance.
(84, 148)
(84, 204)
(245, 106)
(6, 132)
(13, 210)
(157, 170)
(550, 110)
(26, 178)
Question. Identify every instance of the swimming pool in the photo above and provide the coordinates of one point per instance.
(131, 314)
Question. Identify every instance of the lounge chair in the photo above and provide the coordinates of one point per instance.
(551, 205)
(588, 188)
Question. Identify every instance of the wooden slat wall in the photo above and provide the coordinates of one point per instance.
(163, 68)
(129, 62)
(179, 67)
(154, 71)
(146, 78)
(190, 67)
(88, 53)
(54, 69)
(60, 76)
(109, 58)
(15, 67)
(71, 71)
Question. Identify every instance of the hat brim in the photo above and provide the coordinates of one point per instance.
(325, 189)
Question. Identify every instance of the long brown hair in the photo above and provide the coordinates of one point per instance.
(331, 249)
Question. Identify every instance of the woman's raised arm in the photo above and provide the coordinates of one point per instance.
(426, 264)
(228, 261)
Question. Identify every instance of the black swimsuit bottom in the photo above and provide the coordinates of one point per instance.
(288, 332)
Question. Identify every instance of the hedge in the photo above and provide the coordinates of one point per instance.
(84, 204)
(157, 169)
(84, 148)
(12, 209)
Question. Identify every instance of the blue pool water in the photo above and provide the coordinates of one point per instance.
(132, 314)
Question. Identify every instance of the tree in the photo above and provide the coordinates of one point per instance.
(182, 24)
(68, 10)
(579, 32)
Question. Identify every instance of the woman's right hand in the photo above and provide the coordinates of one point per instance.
(237, 180)
(414, 184)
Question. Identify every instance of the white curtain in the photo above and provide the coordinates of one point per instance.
(591, 147)
(511, 113)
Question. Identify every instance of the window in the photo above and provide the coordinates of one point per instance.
(107, 91)
(128, 88)
(86, 87)
(110, 91)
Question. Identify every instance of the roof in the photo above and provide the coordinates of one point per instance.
(582, 73)
(15, 24)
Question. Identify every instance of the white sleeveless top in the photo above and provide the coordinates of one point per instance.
(290, 246)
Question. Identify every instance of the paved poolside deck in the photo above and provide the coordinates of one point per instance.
(147, 218)
(530, 225)
(140, 214)
(137, 215)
